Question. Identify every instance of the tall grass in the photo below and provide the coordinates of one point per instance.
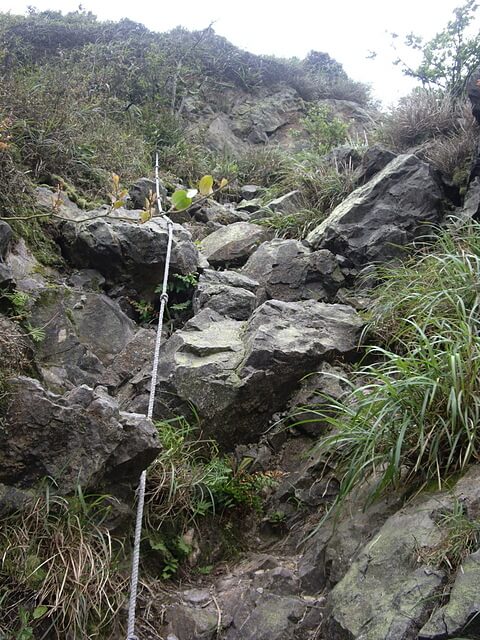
(413, 413)
(58, 554)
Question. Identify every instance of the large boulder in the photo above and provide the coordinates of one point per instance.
(229, 293)
(398, 204)
(237, 374)
(77, 438)
(84, 331)
(230, 246)
(123, 250)
(288, 270)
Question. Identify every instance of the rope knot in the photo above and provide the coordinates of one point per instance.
(164, 297)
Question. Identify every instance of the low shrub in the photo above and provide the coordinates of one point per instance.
(420, 116)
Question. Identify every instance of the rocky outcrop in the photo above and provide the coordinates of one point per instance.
(290, 271)
(78, 438)
(230, 246)
(124, 251)
(84, 331)
(219, 364)
(392, 585)
(460, 616)
(228, 293)
(372, 225)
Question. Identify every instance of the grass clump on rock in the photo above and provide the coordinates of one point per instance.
(413, 413)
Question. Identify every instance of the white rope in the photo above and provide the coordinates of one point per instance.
(132, 605)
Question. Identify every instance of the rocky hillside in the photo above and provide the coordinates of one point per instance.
(312, 458)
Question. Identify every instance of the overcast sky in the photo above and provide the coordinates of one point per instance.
(346, 29)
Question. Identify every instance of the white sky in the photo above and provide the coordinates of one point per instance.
(346, 29)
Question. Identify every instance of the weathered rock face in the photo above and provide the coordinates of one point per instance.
(392, 596)
(6, 235)
(83, 334)
(227, 300)
(237, 374)
(290, 271)
(143, 192)
(376, 220)
(258, 601)
(389, 591)
(230, 246)
(78, 438)
(460, 616)
(229, 293)
(124, 251)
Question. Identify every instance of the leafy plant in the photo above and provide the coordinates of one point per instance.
(324, 129)
(450, 56)
(189, 481)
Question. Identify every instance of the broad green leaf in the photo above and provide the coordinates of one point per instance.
(145, 216)
(39, 612)
(180, 200)
(205, 186)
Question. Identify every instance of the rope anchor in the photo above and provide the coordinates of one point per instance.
(132, 605)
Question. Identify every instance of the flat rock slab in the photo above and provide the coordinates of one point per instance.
(400, 203)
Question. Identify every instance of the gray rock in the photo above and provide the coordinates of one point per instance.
(233, 244)
(6, 235)
(137, 353)
(231, 302)
(219, 364)
(471, 205)
(387, 592)
(13, 500)
(250, 206)
(87, 279)
(230, 279)
(142, 192)
(190, 622)
(24, 269)
(315, 396)
(272, 617)
(124, 251)
(58, 202)
(376, 220)
(215, 213)
(461, 615)
(250, 191)
(374, 160)
(45, 434)
(229, 293)
(288, 203)
(290, 271)
(83, 334)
